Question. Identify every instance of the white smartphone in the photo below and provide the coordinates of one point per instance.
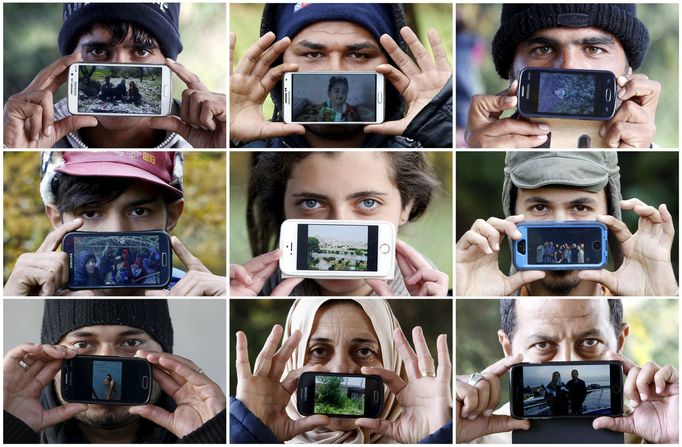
(333, 97)
(337, 249)
(119, 89)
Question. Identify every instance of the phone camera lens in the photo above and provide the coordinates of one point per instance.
(596, 245)
(615, 388)
(521, 247)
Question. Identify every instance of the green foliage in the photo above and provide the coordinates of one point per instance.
(30, 44)
(661, 62)
(202, 227)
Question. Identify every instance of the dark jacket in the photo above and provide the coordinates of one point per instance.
(17, 432)
(431, 128)
(246, 428)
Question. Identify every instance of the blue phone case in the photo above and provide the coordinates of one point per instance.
(574, 245)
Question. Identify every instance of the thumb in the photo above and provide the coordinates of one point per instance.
(61, 413)
(274, 130)
(172, 124)
(286, 286)
(381, 426)
(380, 287)
(603, 277)
(621, 424)
(520, 279)
(309, 423)
(71, 123)
(388, 128)
(486, 107)
(502, 423)
(157, 415)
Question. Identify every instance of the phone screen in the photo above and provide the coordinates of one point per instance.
(566, 94)
(347, 248)
(113, 380)
(119, 89)
(566, 390)
(339, 395)
(107, 380)
(117, 260)
(564, 246)
(334, 98)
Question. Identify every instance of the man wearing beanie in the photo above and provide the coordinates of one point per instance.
(342, 37)
(606, 36)
(109, 191)
(133, 33)
(564, 186)
(35, 412)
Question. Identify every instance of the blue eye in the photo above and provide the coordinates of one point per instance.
(310, 203)
(369, 203)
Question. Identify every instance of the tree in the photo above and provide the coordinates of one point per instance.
(332, 392)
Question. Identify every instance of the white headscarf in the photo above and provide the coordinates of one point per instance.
(301, 316)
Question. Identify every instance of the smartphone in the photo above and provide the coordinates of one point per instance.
(96, 379)
(339, 97)
(119, 89)
(561, 93)
(570, 245)
(566, 389)
(101, 260)
(337, 249)
(340, 395)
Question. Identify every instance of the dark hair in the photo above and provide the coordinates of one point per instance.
(337, 80)
(73, 193)
(508, 316)
(411, 172)
(120, 30)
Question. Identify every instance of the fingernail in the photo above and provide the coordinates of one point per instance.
(659, 390)
(48, 131)
(634, 403)
(602, 131)
(517, 234)
(194, 126)
(488, 251)
(472, 417)
(497, 246)
(543, 127)
(510, 99)
(541, 137)
(488, 412)
(642, 396)
(170, 60)
(621, 93)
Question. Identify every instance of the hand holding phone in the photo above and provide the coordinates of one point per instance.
(29, 115)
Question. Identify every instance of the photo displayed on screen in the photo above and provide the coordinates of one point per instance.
(109, 89)
(106, 380)
(564, 246)
(339, 395)
(566, 390)
(334, 98)
(337, 247)
(566, 94)
(116, 260)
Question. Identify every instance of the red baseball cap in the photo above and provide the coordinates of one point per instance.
(158, 168)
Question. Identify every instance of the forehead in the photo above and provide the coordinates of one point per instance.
(559, 195)
(342, 172)
(561, 317)
(575, 36)
(347, 320)
(338, 32)
(105, 331)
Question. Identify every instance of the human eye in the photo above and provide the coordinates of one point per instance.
(582, 208)
(369, 203)
(140, 212)
(313, 55)
(82, 345)
(364, 353)
(358, 56)
(543, 346)
(309, 204)
(539, 208)
(90, 214)
(590, 343)
(542, 50)
(594, 51)
(97, 52)
(318, 352)
(142, 52)
(132, 343)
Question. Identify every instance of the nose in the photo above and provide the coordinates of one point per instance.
(115, 222)
(105, 349)
(120, 56)
(340, 213)
(342, 363)
(566, 353)
(561, 214)
(569, 59)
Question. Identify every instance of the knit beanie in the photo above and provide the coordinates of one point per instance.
(161, 20)
(61, 316)
(377, 18)
(519, 21)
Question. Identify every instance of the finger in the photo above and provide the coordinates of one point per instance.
(424, 60)
(17, 354)
(667, 374)
(188, 259)
(233, 44)
(71, 123)
(285, 287)
(191, 375)
(194, 110)
(243, 366)
(309, 423)
(483, 387)
(290, 382)
(264, 359)
(667, 218)
(645, 90)
(55, 74)
(391, 379)
(62, 413)
(190, 79)
(507, 128)
(387, 127)
(380, 287)
(501, 367)
(500, 424)
(468, 395)
(54, 239)
(413, 256)
(472, 238)
(621, 424)
(269, 56)
(402, 60)
(627, 363)
(241, 274)
(603, 277)
(513, 140)
(407, 354)
(505, 226)
(166, 381)
(36, 122)
(395, 77)
(628, 135)
(157, 415)
(424, 358)
(206, 115)
(616, 226)
(381, 426)
(444, 364)
(253, 53)
(282, 356)
(438, 50)
(258, 263)
(485, 109)
(521, 278)
(494, 398)
(645, 378)
(275, 74)
(171, 124)
(429, 275)
(630, 387)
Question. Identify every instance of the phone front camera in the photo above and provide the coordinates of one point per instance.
(596, 245)
(521, 247)
(615, 388)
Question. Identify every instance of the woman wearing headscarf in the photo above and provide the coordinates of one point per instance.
(342, 336)
(87, 272)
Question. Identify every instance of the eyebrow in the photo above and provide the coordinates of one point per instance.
(142, 201)
(593, 40)
(536, 338)
(354, 340)
(352, 47)
(85, 334)
(108, 44)
(355, 195)
(541, 200)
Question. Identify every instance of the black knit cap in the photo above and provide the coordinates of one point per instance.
(519, 21)
(161, 20)
(61, 316)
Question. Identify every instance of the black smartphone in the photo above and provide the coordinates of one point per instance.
(566, 389)
(561, 93)
(570, 245)
(96, 379)
(101, 260)
(340, 395)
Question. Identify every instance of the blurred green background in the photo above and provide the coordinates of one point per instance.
(201, 227)
(257, 316)
(652, 177)
(661, 62)
(30, 44)
(245, 23)
(654, 326)
(437, 221)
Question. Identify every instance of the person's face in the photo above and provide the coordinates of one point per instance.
(556, 376)
(110, 340)
(560, 204)
(346, 186)
(141, 207)
(574, 374)
(571, 48)
(343, 340)
(338, 94)
(550, 330)
(95, 47)
(91, 265)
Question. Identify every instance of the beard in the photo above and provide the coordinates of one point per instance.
(335, 131)
(561, 282)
